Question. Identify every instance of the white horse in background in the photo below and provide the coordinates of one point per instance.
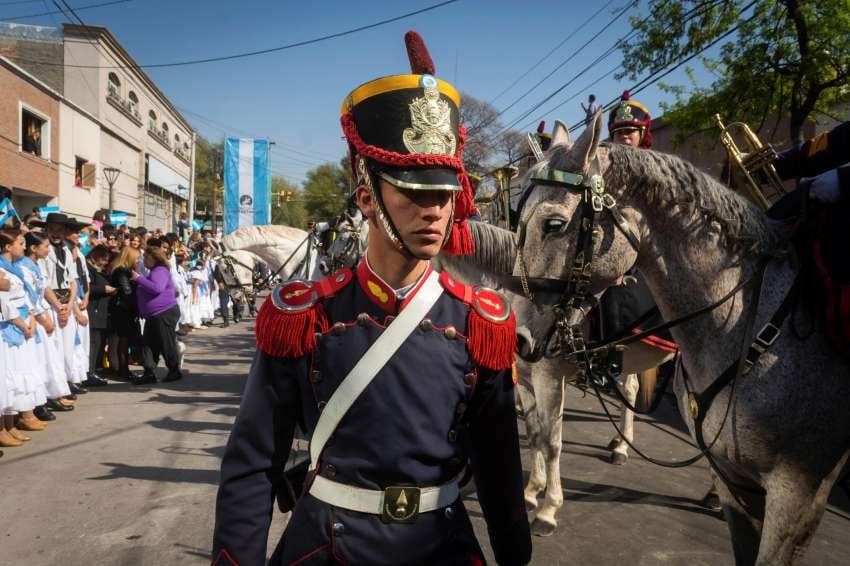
(278, 247)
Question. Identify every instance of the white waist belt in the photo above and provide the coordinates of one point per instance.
(395, 504)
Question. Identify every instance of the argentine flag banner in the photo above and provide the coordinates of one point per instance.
(247, 183)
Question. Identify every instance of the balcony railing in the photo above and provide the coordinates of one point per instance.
(159, 135)
(126, 107)
(183, 154)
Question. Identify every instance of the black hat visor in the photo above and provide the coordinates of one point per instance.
(421, 179)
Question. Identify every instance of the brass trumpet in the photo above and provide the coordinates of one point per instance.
(755, 163)
(504, 176)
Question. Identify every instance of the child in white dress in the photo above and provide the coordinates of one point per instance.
(24, 386)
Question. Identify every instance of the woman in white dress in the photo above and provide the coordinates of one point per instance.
(4, 403)
(49, 349)
(24, 387)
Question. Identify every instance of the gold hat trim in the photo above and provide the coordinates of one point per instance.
(391, 83)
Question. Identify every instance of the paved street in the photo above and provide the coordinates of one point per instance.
(130, 478)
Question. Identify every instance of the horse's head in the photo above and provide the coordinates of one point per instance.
(574, 237)
(348, 247)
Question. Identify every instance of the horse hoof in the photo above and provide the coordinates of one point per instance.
(542, 529)
(614, 443)
(530, 505)
(711, 501)
(619, 459)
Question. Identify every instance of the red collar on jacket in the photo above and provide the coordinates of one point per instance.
(382, 294)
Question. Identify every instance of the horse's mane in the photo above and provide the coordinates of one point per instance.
(495, 247)
(669, 182)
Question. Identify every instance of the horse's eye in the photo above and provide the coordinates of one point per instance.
(554, 225)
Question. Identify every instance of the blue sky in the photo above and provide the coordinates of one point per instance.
(293, 97)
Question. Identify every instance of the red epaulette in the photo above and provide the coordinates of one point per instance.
(292, 314)
(491, 327)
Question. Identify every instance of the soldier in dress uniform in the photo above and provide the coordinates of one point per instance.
(629, 123)
(384, 488)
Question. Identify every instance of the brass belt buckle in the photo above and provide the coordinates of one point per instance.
(400, 505)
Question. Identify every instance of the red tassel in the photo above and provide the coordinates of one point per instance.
(420, 60)
(491, 344)
(541, 127)
(625, 95)
(284, 334)
(460, 241)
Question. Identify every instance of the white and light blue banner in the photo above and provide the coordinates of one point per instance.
(247, 183)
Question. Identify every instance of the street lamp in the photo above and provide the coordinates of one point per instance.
(111, 174)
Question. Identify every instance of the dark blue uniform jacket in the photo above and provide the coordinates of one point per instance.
(431, 410)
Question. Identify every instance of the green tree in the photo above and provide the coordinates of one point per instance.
(207, 172)
(776, 58)
(288, 210)
(325, 191)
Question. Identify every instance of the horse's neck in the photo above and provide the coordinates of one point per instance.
(686, 272)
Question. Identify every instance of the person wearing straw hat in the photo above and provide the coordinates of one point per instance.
(400, 376)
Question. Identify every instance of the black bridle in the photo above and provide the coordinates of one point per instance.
(575, 294)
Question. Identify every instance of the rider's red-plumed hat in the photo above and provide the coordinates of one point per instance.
(631, 114)
(406, 130)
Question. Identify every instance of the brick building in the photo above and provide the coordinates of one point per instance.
(74, 103)
(29, 138)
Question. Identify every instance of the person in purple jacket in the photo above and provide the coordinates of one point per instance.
(158, 306)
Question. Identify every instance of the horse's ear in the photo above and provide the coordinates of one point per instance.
(584, 150)
(561, 135)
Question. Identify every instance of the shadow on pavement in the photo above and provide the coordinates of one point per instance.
(167, 423)
(159, 474)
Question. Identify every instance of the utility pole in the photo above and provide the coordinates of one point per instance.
(217, 165)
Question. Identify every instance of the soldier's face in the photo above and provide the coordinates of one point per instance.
(421, 217)
(627, 137)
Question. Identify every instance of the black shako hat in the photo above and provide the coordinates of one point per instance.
(405, 116)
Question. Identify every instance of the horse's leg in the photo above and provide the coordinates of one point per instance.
(537, 476)
(620, 450)
(794, 508)
(550, 409)
(744, 514)
(711, 500)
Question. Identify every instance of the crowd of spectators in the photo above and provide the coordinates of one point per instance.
(83, 302)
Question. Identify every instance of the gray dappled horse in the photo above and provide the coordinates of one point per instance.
(787, 435)
(542, 381)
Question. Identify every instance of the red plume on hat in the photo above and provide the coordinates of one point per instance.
(541, 127)
(460, 240)
(420, 60)
(625, 95)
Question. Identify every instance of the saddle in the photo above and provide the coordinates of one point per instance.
(831, 233)
(628, 309)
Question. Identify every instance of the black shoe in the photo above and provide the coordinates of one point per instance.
(71, 397)
(144, 379)
(172, 376)
(55, 405)
(94, 381)
(42, 414)
(125, 375)
(77, 389)
(225, 324)
(182, 333)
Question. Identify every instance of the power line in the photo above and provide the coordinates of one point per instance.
(551, 51)
(50, 13)
(651, 79)
(691, 14)
(617, 16)
(279, 146)
(259, 51)
(573, 96)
